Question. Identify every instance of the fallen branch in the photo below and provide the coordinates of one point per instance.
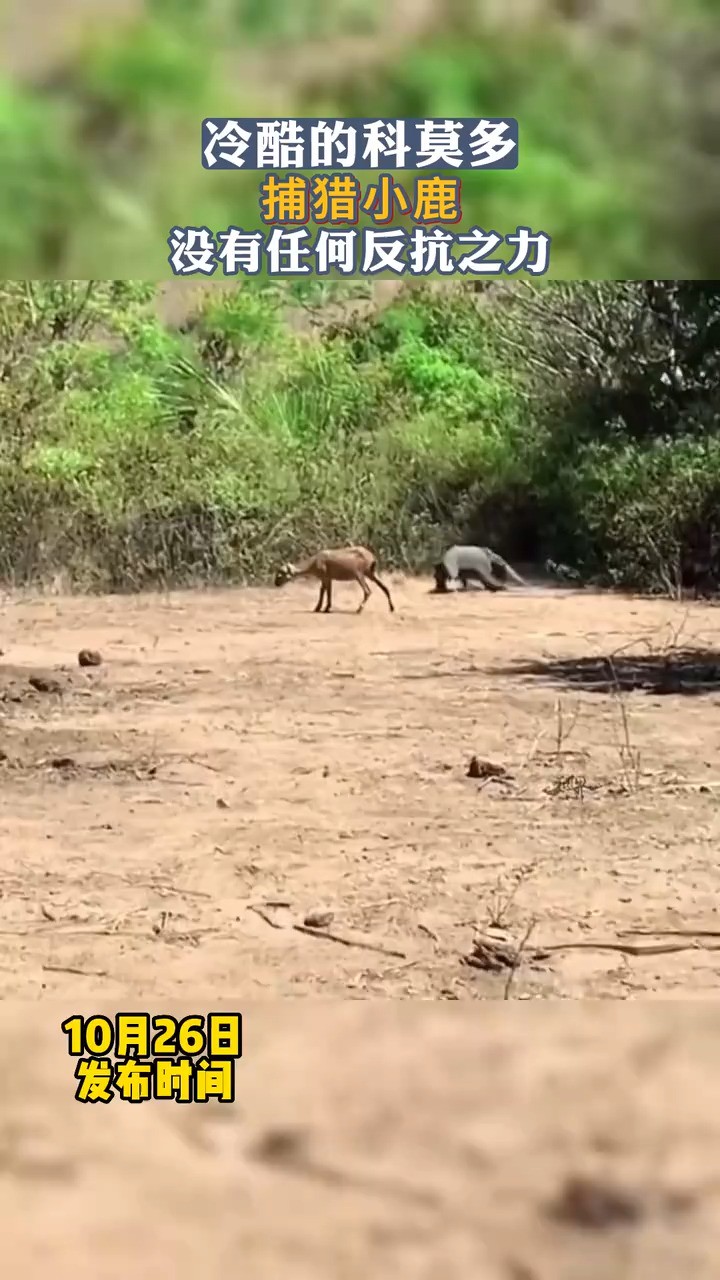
(430, 933)
(346, 941)
(179, 935)
(626, 948)
(670, 933)
(155, 886)
(492, 956)
(264, 915)
(80, 973)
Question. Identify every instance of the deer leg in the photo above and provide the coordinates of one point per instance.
(328, 594)
(321, 597)
(365, 590)
(374, 578)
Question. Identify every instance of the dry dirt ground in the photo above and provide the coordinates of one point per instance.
(410, 1140)
(236, 752)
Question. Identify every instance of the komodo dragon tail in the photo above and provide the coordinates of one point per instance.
(496, 559)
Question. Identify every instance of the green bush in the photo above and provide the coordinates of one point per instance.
(579, 421)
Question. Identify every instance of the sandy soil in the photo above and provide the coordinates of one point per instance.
(235, 750)
(417, 1140)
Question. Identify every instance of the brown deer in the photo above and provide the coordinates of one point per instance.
(346, 564)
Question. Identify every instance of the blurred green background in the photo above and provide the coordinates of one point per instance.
(101, 103)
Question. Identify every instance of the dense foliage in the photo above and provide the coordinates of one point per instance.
(580, 421)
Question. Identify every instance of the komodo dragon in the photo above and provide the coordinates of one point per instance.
(479, 564)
